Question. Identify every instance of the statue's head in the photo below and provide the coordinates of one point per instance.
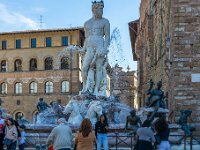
(133, 112)
(159, 84)
(97, 9)
(186, 112)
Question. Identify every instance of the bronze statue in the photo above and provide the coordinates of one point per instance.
(156, 98)
(184, 122)
(21, 120)
(133, 121)
(42, 105)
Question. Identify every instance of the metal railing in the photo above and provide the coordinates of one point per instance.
(117, 140)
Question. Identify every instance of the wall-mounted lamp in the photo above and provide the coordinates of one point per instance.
(168, 42)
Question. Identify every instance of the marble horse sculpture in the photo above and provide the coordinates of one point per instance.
(94, 111)
(75, 117)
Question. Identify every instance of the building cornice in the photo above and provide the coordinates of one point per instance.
(42, 30)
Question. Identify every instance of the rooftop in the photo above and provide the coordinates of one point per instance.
(42, 30)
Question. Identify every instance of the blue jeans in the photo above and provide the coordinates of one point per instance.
(21, 146)
(12, 146)
(164, 145)
(102, 139)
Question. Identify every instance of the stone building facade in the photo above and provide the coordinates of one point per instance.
(39, 63)
(123, 84)
(167, 48)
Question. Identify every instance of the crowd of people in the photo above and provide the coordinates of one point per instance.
(11, 133)
(149, 136)
(85, 139)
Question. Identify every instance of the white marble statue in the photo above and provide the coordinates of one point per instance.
(97, 32)
(94, 111)
(75, 117)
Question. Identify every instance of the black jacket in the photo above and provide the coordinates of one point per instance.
(101, 127)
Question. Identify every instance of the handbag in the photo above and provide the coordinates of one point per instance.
(7, 141)
(50, 147)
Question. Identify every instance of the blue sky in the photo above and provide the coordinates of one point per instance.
(25, 15)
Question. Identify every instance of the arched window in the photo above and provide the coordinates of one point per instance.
(3, 88)
(33, 88)
(19, 115)
(3, 66)
(18, 65)
(18, 88)
(33, 64)
(49, 87)
(48, 63)
(65, 63)
(65, 87)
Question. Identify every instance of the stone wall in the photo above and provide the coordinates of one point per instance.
(168, 48)
(186, 56)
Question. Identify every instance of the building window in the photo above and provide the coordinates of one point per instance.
(48, 63)
(18, 88)
(3, 66)
(33, 88)
(18, 43)
(48, 42)
(4, 45)
(18, 102)
(59, 101)
(65, 63)
(3, 88)
(49, 87)
(33, 64)
(65, 87)
(33, 43)
(65, 41)
(18, 65)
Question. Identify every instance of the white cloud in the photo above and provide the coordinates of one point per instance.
(38, 10)
(17, 19)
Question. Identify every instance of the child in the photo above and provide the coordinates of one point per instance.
(22, 139)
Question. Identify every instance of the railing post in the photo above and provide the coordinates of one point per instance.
(116, 140)
(185, 137)
(132, 140)
(191, 142)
